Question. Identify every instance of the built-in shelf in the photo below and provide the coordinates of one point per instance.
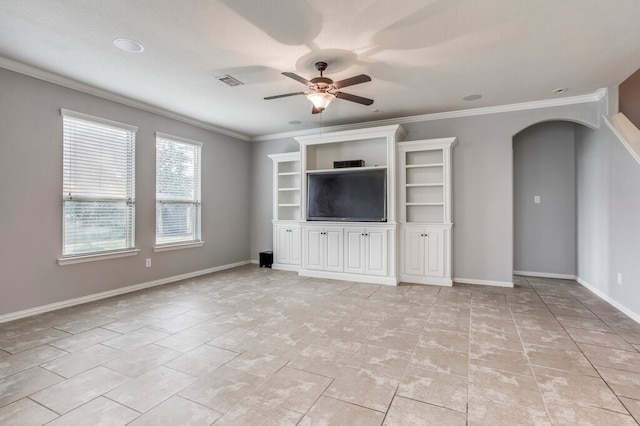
(346, 169)
(425, 211)
(417, 166)
(351, 250)
(286, 186)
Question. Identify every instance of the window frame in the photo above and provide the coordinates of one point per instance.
(129, 199)
(196, 202)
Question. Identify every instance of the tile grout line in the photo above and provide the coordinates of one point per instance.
(591, 363)
(526, 354)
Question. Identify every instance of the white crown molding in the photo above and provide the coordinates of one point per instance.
(118, 291)
(523, 106)
(50, 77)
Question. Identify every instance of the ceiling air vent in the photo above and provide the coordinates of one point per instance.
(229, 81)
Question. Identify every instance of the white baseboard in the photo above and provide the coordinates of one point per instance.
(284, 267)
(254, 261)
(420, 279)
(343, 276)
(482, 282)
(545, 275)
(634, 316)
(118, 291)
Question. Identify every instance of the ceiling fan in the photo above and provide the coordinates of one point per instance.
(322, 90)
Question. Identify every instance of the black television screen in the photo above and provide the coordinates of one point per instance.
(356, 196)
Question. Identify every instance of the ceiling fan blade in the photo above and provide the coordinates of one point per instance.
(296, 77)
(362, 78)
(353, 98)
(315, 110)
(268, 98)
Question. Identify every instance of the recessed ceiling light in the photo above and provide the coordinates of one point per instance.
(560, 90)
(295, 122)
(128, 45)
(472, 97)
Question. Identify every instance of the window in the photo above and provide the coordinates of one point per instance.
(177, 190)
(98, 185)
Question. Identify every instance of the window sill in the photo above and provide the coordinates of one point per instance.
(95, 257)
(177, 246)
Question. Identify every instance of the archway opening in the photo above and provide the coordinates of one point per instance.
(545, 200)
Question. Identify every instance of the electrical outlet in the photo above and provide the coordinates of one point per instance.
(536, 199)
(148, 263)
(619, 278)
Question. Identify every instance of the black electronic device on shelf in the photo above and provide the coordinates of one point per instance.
(348, 163)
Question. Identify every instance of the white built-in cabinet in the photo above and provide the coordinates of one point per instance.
(413, 245)
(287, 204)
(286, 244)
(355, 251)
(323, 248)
(424, 254)
(425, 211)
(365, 251)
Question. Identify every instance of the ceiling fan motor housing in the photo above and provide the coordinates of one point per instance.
(321, 83)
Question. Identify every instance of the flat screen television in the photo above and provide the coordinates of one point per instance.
(348, 195)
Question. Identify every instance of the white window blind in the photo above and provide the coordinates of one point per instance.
(177, 190)
(98, 185)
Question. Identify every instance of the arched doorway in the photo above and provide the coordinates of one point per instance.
(545, 212)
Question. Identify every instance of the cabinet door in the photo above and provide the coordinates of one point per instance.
(354, 250)
(333, 253)
(294, 252)
(283, 245)
(414, 251)
(434, 266)
(375, 242)
(314, 244)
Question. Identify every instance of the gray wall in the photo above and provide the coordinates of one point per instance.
(482, 184)
(237, 197)
(608, 191)
(545, 233)
(31, 194)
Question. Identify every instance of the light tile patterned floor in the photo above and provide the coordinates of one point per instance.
(252, 346)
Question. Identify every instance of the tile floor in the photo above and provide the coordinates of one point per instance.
(252, 346)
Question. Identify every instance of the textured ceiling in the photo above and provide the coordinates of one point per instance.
(423, 56)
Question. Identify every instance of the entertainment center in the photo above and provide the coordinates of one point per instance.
(362, 205)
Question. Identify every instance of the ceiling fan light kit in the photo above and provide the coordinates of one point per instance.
(322, 90)
(320, 100)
